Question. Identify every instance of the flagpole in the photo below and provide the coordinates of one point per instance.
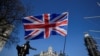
(64, 43)
(64, 46)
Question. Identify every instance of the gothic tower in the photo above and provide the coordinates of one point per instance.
(90, 43)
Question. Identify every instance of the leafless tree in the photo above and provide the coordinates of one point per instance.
(11, 13)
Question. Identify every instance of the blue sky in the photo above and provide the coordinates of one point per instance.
(78, 9)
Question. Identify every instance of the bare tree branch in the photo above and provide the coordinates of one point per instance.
(11, 13)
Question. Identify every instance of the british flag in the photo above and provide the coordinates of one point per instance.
(43, 26)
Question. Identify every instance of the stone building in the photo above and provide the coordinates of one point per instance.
(5, 31)
(91, 45)
(49, 52)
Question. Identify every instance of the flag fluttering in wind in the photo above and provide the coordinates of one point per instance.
(42, 26)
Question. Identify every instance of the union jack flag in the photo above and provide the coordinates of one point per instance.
(42, 26)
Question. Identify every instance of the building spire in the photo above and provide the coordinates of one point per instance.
(90, 43)
(86, 34)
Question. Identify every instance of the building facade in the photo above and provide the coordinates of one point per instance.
(5, 31)
(91, 45)
(49, 52)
